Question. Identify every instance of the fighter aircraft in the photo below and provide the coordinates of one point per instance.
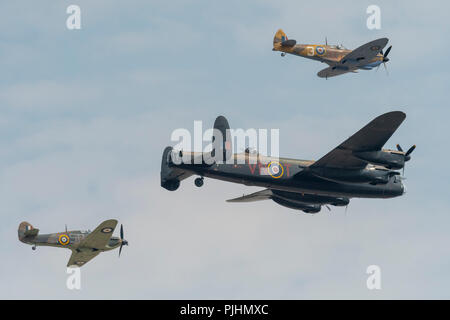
(85, 245)
(357, 168)
(339, 59)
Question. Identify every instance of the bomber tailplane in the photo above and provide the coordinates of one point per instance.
(171, 175)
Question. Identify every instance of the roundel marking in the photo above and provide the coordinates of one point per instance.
(64, 239)
(107, 230)
(320, 50)
(375, 48)
(275, 169)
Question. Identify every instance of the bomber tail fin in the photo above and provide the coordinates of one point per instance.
(26, 230)
(170, 174)
(222, 144)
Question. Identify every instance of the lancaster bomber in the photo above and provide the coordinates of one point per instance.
(339, 59)
(85, 245)
(357, 168)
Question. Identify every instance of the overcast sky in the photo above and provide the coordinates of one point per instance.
(85, 116)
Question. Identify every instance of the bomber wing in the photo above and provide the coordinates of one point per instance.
(370, 138)
(256, 196)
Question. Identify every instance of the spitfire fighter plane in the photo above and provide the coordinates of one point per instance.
(85, 245)
(357, 168)
(339, 59)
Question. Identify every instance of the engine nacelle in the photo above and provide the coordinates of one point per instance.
(389, 159)
(307, 208)
(308, 199)
(372, 176)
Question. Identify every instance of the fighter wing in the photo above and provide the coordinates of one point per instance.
(370, 138)
(256, 196)
(81, 258)
(362, 55)
(99, 238)
(332, 72)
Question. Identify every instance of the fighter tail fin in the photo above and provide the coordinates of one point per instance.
(280, 37)
(26, 230)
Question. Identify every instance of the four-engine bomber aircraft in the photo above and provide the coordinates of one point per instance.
(358, 167)
(339, 59)
(85, 245)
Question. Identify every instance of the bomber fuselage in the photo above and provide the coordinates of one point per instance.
(296, 176)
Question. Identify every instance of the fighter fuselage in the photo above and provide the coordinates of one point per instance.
(69, 240)
(324, 53)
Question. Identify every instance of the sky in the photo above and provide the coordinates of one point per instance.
(85, 116)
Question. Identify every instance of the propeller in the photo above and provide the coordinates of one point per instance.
(122, 241)
(385, 59)
(407, 154)
(385, 68)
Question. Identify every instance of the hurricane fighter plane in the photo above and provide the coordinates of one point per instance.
(85, 245)
(339, 59)
(357, 168)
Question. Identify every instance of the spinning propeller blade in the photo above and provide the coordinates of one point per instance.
(385, 59)
(123, 242)
(407, 154)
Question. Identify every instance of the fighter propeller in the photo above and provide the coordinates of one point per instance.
(385, 58)
(122, 241)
